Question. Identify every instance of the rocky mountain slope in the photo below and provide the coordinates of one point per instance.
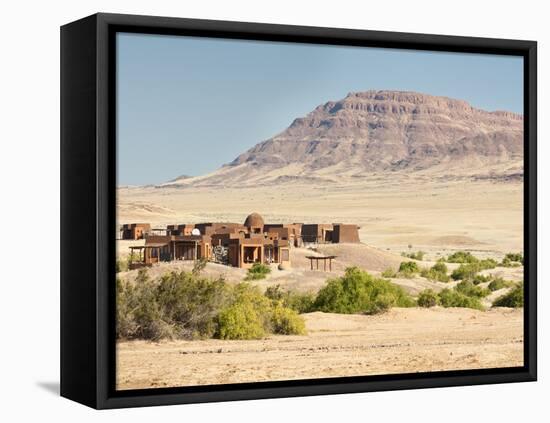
(381, 131)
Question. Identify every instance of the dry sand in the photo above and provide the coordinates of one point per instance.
(400, 341)
(436, 215)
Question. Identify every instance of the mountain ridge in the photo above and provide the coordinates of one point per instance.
(380, 131)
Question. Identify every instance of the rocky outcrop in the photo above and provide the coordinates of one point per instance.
(376, 131)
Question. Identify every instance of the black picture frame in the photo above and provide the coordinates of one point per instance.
(88, 202)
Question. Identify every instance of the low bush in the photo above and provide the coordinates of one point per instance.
(389, 273)
(257, 271)
(471, 290)
(438, 272)
(514, 298)
(419, 255)
(408, 269)
(488, 263)
(191, 303)
(452, 298)
(286, 321)
(462, 257)
(465, 271)
(185, 305)
(512, 260)
(517, 257)
(498, 283)
(297, 301)
(123, 264)
(481, 279)
(240, 321)
(359, 292)
(428, 298)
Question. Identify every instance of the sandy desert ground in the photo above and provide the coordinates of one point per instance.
(436, 215)
(400, 341)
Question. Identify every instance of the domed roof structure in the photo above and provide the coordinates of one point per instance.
(254, 220)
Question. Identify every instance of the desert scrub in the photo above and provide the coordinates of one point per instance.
(419, 255)
(499, 283)
(471, 290)
(240, 321)
(297, 301)
(466, 271)
(123, 264)
(191, 303)
(481, 279)
(185, 305)
(138, 312)
(285, 321)
(428, 298)
(408, 269)
(257, 271)
(389, 273)
(514, 298)
(452, 298)
(253, 315)
(438, 272)
(461, 257)
(512, 260)
(488, 263)
(359, 292)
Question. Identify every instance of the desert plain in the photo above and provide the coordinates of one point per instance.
(396, 212)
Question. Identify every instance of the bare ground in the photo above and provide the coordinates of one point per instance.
(397, 213)
(399, 341)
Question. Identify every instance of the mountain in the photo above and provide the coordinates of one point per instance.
(381, 131)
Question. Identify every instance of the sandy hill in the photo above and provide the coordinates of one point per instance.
(380, 131)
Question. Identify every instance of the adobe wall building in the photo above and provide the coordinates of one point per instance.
(134, 230)
(238, 245)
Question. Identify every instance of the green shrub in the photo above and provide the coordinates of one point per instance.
(185, 305)
(253, 315)
(257, 271)
(471, 290)
(138, 312)
(191, 302)
(438, 272)
(487, 263)
(408, 269)
(517, 257)
(419, 255)
(359, 292)
(297, 301)
(389, 273)
(452, 298)
(428, 298)
(240, 321)
(499, 283)
(514, 298)
(481, 279)
(286, 321)
(462, 257)
(512, 260)
(465, 271)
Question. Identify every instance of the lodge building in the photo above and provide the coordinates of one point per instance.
(234, 244)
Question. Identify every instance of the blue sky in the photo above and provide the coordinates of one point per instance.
(188, 105)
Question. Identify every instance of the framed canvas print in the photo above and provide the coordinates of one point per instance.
(258, 211)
